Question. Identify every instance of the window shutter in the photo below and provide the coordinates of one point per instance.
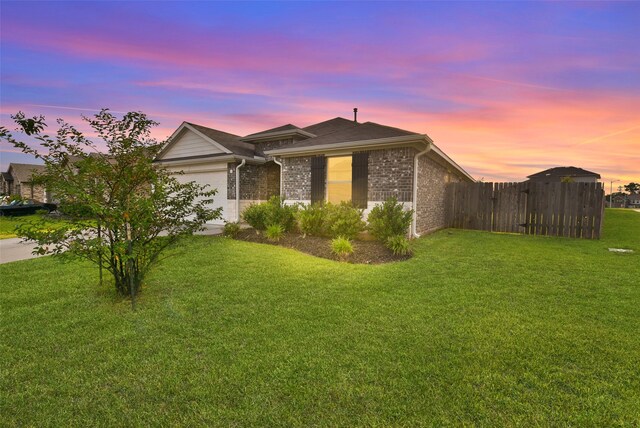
(360, 179)
(318, 175)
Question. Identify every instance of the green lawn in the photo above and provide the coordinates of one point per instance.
(477, 328)
(8, 224)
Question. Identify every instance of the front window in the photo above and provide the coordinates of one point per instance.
(339, 179)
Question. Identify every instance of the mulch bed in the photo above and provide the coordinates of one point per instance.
(365, 252)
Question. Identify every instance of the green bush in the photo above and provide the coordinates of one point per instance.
(256, 216)
(389, 219)
(399, 245)
(274, 211)
(344, 220)
(341, 247)
(274, 232)
(231, 229)
(312, 219)
(279, 213)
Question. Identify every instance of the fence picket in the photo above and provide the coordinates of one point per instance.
(556, 209)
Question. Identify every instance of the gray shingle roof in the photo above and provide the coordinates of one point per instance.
(564, 171)
(356, 132)
(230, 141)
(22, 172)
(287, 127)
(336, 130)
(329, 126)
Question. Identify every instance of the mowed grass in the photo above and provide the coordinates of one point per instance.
(476, 329)
(9, 224)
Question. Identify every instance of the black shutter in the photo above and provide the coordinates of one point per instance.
(318, 174)
(360, 179)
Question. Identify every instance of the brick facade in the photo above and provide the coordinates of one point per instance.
(257, 182)
(272, 145)
(296, 180)
(30, 191)
(391, 174)
(26, 190)
(431, 206)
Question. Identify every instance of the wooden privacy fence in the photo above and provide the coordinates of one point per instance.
(558, 209)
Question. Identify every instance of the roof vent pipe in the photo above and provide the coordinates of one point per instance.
(355, 115)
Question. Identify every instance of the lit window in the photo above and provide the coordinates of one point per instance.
(339, 179)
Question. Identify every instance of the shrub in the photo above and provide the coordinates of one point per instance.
(389, 220)
(279, 213)
(312, 219)
(274, 211)
(231, 230)
(274, 232)
(256, 216)
(344, 220)
(341, 247)
(399, 245)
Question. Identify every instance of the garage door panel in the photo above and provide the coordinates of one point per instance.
(215, 180)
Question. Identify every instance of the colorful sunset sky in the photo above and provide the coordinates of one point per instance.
(506, 89)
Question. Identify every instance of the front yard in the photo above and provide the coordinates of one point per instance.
(8, 224)
(476, 328)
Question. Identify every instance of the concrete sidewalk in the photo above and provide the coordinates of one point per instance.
(14, 249)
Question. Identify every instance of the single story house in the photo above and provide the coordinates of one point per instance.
(18, 180)
(634, 200)
(565, 173)
(617, 200)
(6, 183)
(335, 160)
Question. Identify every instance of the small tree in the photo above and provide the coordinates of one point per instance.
(122, 210)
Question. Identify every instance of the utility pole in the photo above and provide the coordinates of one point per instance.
(611, 193)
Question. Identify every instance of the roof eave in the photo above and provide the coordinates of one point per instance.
(361, 144)
(278, 134)
(207, 159)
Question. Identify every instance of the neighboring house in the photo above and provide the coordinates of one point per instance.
(633, 200)
(335, 160)
(18, 181)
(565, 173)
(619, 200)
(6, 183)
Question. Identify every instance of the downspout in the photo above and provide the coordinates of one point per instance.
(414, 233)
(277, 162)
(238, 189)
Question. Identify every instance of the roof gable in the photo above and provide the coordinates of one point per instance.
(22, 172)
(230, 141)
(287, 127)
(190, 143)
(279, 132)
(191, 140)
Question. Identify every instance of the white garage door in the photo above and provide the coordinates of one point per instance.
(215, 180)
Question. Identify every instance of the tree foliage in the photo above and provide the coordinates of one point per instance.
(122, 211)
(632, 188)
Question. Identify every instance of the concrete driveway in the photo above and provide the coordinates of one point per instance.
(14, 249)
